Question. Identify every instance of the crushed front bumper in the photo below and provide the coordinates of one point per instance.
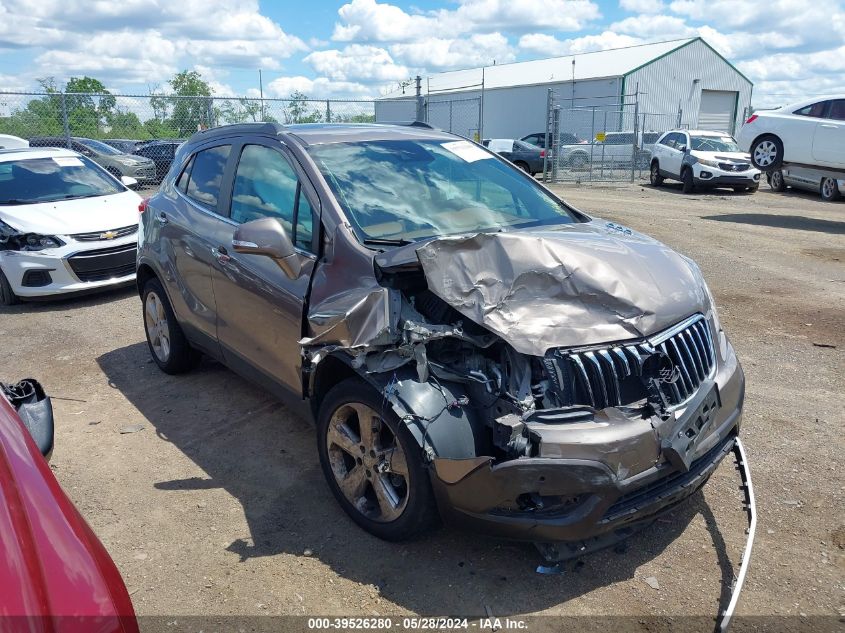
(597, 478)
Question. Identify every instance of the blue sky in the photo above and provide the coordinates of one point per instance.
(360, 48)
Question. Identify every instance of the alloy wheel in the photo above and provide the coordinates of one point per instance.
(828, 188)
(368, 462)
(158, 330)
(765, 153)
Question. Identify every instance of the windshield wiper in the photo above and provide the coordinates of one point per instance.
(385, 241)
(17, 201)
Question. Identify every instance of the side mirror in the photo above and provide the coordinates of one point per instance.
(129, 182)
(267, 236)
(684, 149)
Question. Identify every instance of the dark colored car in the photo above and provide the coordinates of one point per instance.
(529, 158)
(161, 153)
(465, 340)
(539, 139)
(114, 161)
(55, 573)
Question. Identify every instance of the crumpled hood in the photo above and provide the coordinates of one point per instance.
(580, 284)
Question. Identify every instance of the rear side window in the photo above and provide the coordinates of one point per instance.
(206, 175)
(815, 110)
(182, 181)
(837, 110)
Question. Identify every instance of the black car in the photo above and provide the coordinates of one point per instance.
(161, 153)
(529, 158)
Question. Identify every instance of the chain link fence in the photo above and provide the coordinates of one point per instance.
(156, 117)
(601, 143)
(458, 116)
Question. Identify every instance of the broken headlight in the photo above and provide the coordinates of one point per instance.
(12, 239)
(34, 242)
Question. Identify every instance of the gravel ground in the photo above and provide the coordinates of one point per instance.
(217, 506)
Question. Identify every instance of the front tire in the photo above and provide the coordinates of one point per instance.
(577, 161)
(688, 181)
(7, 295)
(829, 190)
(767, 153)
(168, 344)
(654, 176)
(373, 464)
(776, 181)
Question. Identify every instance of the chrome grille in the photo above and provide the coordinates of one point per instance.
(99, 236)
(610, 376)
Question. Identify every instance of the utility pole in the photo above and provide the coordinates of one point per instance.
(420, 103)
(261, 92)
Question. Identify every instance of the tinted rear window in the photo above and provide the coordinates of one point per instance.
(207, 174)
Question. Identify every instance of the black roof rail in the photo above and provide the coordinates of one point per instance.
(238, 128)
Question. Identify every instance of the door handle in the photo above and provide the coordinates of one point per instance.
(220, 254)
(162, 218)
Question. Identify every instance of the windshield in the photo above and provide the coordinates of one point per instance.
(99, 147)
(401, 191)
(33, 180)
(714, 144)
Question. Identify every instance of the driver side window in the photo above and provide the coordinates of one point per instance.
(266, 186)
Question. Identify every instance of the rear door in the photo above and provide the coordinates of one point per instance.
(829, 136)
(259, 309)
(188, 223)
(672, 154)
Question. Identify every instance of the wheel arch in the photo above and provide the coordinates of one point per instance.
(437, 415)
(143, 274)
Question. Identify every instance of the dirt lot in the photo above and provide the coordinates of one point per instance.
(218, 506)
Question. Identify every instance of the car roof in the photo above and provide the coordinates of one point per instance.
(8, 155)
(326, 133)
(791, 107)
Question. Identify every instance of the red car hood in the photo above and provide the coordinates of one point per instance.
(53, 569)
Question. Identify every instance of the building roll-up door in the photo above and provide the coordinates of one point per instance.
(717, 111)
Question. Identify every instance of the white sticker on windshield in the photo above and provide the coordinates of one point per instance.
(67, 161)
(466, 150)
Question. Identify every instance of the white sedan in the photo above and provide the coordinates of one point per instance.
(807, 133)
(66, 225)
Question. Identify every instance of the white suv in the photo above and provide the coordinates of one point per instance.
(702, 158)
(808, 133)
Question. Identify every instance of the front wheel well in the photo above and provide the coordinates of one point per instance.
(329, 372)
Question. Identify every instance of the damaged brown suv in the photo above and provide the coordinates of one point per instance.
(469, 345)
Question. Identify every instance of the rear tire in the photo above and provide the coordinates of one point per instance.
(776, 181)
(168, 344)
(654, 176)
(829, 190)
(388, 497)
(7, 295)
(523, 167)
(688, 181)
(767, 153)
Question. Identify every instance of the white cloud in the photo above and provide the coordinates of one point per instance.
(542, 44)
(643, 6)
(664, 27)
(357, 62)
(369, 20)
(317, 88)
(480, 49)
(135, 41)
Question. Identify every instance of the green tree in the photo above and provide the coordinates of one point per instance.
(89, 105)
(297, 110)
(40, 117)
(191, 103)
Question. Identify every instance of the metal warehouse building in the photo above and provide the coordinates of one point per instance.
(682, 82)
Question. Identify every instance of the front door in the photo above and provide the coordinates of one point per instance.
(259, 309)
(672, 156)
(829, 136)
